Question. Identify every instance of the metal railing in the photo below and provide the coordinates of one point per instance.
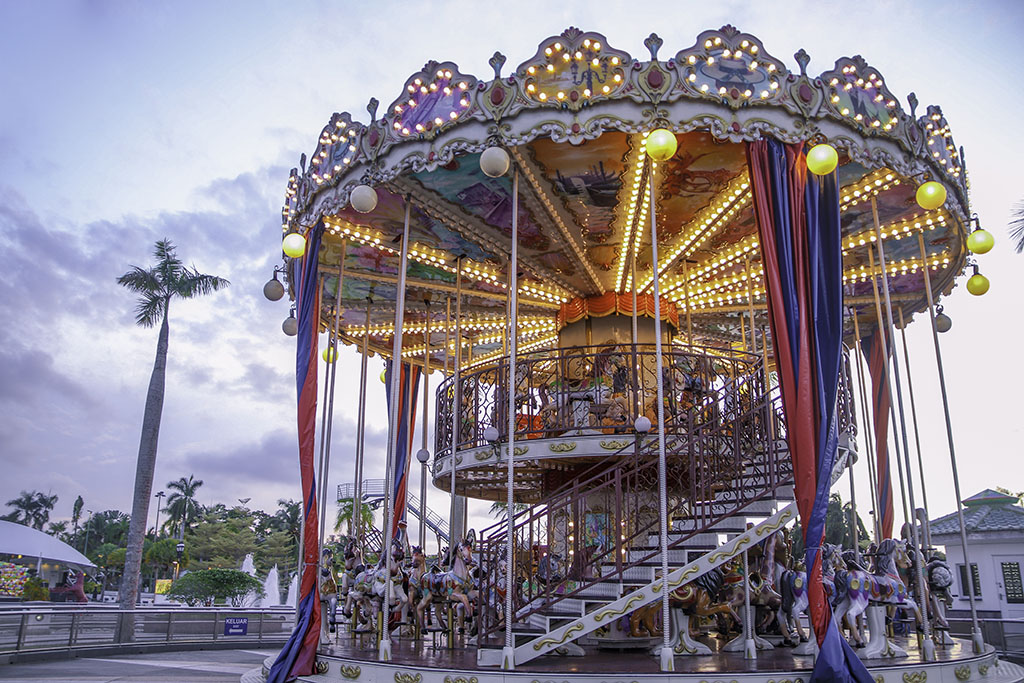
(585, 387)
(373, 490)
(42, 629)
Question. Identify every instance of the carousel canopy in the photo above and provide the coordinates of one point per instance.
(18, 539)
(574, 118)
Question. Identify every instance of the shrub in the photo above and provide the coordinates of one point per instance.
(208, 586)
(34, 590)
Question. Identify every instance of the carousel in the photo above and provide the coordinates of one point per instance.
(662, 299)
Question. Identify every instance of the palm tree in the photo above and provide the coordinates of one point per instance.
(58, 529)
(1017, 226)
(76, 514)
(31, 508)
(167, 279)
(345, 511)
(182, 508)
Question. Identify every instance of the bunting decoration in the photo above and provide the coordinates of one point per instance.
(798, 224)
(880, 407)
(408, 382)
(299, 653)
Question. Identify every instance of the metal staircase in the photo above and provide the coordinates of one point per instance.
(373, 494)
(723, 473)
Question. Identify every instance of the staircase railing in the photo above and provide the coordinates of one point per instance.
(373, 491)
(716, 468)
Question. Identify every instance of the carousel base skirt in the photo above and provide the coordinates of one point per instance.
(424, 661)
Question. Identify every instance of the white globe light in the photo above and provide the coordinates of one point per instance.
(290, 326)
(363, 198)
(273, 290)
(491, 434)
(423, 455)
(494, 162)
(642, 424)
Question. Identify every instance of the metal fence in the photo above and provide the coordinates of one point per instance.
(1005, 635)
(28, 630)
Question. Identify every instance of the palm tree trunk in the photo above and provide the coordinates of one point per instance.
(129, 593)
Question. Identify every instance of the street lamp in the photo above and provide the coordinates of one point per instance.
(177, 563)
(156, 527)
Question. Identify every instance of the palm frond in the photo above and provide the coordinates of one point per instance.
(140, 281)
(193, 283)
(150, 310)
(1017, 227)
(169, 267)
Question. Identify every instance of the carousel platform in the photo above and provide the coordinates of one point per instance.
(423, 662)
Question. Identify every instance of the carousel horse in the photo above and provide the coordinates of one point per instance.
(457, 583)
(940, 580)
(328, 595)
(696, 598)
(792, 585)
(761, 593)
(419, 592)
(856, 589)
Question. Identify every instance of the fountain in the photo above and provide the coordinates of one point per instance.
(248, 566)
(272, 588)
(293, 590)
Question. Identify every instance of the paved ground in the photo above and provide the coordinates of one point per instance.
(206, 666)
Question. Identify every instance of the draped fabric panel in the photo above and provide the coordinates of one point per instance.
(611, 303)
(798, 223)
(408, 382)
(880, 405)
(298, 655)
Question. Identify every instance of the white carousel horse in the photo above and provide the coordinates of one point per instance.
(857, 589)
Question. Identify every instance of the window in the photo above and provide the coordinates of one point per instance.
(963, 580)
(1011, 582)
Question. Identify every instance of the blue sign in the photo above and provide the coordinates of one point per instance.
(236, 626)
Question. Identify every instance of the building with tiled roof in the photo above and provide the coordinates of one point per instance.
(995, 536)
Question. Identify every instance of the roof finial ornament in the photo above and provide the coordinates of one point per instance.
(912, 101)
(653, 44)
(803, 59)
(496, 61)
(371, 107)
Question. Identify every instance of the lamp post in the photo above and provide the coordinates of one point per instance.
(180, 548)
(156, 525)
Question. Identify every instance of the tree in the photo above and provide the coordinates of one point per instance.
(345, 513)
(288, 517)
(163, 554)
(499, 508)
(31, 508)
(167, 279)
(207, 586)
(221, 543)
(58, 529)
(109, 526)
(182, 508)
(1017, 226)
(76, 514)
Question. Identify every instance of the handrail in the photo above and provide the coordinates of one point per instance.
(565, 389)
(706, 463)
(373, 489)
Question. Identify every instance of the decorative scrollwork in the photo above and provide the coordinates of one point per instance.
(562, 447)
(402, 677)
(983, 669)
(962, 672)
(915, 677)
(545, 642)
(350, 672)
(460, 679)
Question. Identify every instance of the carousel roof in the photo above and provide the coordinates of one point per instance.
(574, 117)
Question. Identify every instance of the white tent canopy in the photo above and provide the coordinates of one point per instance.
(18, 539)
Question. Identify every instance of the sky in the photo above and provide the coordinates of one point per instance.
(122, 123)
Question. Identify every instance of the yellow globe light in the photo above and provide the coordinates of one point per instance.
(294, 245)
(329, 355)
(822, 159)
(383, 376)
(977, 284)
(980, 241)
(661, 144)
(931, 195)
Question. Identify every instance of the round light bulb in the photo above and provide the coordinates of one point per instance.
(980, 241)
(363, 198)
(642, 424)
(423, 455)
(822, 159)
(329, 355)
(943, 323)
(661, 144)
(491, 434)
(931, 195)
(294, 245)
(977, 284)
(290, 326)
(494, 162)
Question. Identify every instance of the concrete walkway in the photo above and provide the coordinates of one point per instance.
(203, 665)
